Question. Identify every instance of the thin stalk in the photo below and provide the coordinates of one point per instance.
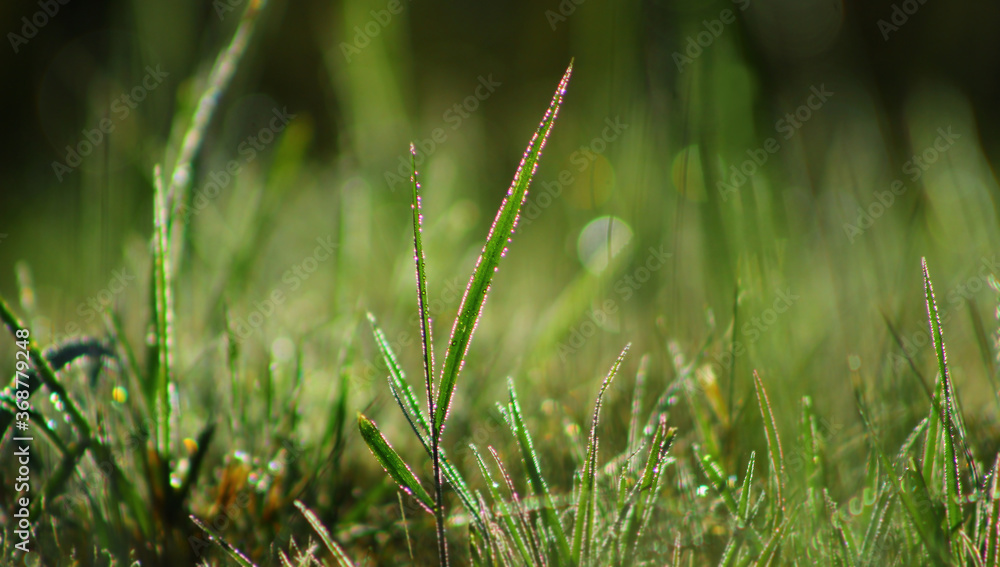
(428, 348)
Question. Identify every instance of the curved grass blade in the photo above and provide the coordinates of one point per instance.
(392, 464)
(335, 550)
(583, 529)
(495, 248)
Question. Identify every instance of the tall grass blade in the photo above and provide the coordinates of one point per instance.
(993, 524)
(335, 550)
(427, 343)
(584, 527)
(549, 517)
(775, 454)
(495, 248)
(162, 285)
(952, 486)
(513, 530)
(392, 463)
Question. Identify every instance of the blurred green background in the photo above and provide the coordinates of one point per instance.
(796, 158)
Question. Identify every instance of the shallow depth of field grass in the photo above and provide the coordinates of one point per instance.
(666, 306)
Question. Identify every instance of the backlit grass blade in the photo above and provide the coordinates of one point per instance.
(401, 388)
(993, 525)
(236, 554)
(952, 487)
(771, 548)
(392, 464)
(774, 452)
(583, 529)
(506, 515)
(744, 503)
(713, 471)
(495, 248)
(162, 291)
(535, 478)
(418, 256)
(324, 535)
(877, 527)
(427, 343)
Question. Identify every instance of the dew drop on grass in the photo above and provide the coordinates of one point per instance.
(702, 491)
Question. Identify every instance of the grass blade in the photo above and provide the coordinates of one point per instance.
(744, 504)
(335, 550)
(773, 443)
(583, 529)
(392, 464)
(427, 343)
(993, 525)
(495, 248)
(228, 547)
(952, 486)
(535, 478)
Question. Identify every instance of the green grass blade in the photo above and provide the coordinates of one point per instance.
(401, 388)
(878, 527)
(993, 525)
(713, 471)
(418, 256)
(583, 529)
(162, 285)
(427, 344)
(236, 554)
(324, 535)
(495, 248)
(744, 503)
(506, 515)
(952, 486)
(392, 464)
(535, 478)
(771, 548)
(773, 443)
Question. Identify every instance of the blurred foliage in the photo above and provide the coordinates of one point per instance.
(751, 180)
